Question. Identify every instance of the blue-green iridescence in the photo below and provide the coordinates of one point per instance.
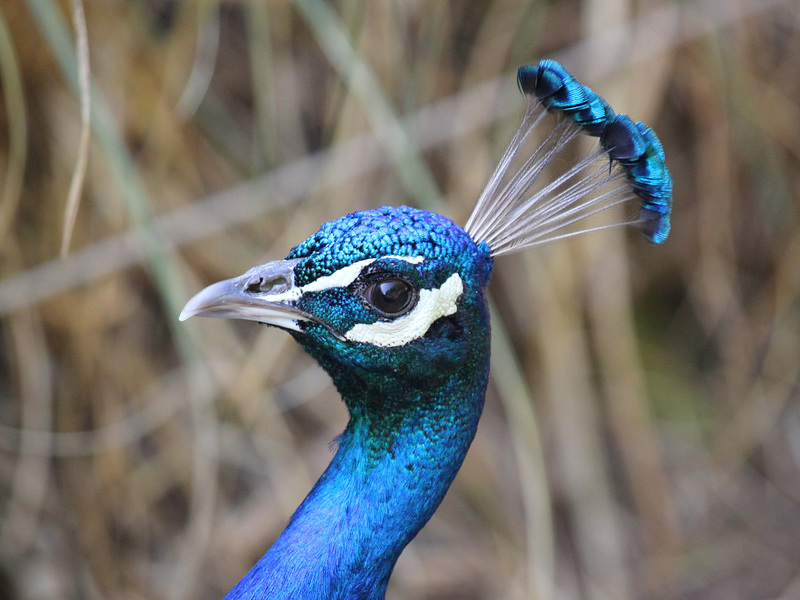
(650, 178)
(623, 140)
(558, 90)
(570, 97)
(594, 117)
(632, 145)
(648, 172)
(414, 408)
(386, 231)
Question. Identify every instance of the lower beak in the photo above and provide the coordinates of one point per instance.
(266, 294)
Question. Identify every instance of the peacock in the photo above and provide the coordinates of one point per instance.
(392, 303)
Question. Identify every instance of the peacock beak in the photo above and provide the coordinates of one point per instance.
(266, 294)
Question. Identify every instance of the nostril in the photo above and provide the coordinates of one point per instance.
(258, 285)
(254, 286)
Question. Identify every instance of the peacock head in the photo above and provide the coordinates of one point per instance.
(395, 297)
(384, 299)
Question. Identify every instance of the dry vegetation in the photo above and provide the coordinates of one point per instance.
(145, 458)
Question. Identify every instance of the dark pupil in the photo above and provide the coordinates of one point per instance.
(390, 296)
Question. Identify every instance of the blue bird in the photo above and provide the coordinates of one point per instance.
(392, 303)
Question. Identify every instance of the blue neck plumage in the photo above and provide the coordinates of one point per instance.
(391, 471)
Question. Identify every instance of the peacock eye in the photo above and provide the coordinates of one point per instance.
(391, 297)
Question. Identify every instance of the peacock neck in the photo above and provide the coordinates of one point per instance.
(392, 468)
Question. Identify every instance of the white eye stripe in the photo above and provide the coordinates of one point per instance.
(432, 305)
(347, 275)
(341, 278)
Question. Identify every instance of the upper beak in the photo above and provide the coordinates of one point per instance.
(266, 294)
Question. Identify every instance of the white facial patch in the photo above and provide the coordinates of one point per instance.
(432, 305)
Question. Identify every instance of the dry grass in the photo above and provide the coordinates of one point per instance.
(143, 458)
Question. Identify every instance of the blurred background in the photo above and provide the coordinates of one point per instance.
(642, 431)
